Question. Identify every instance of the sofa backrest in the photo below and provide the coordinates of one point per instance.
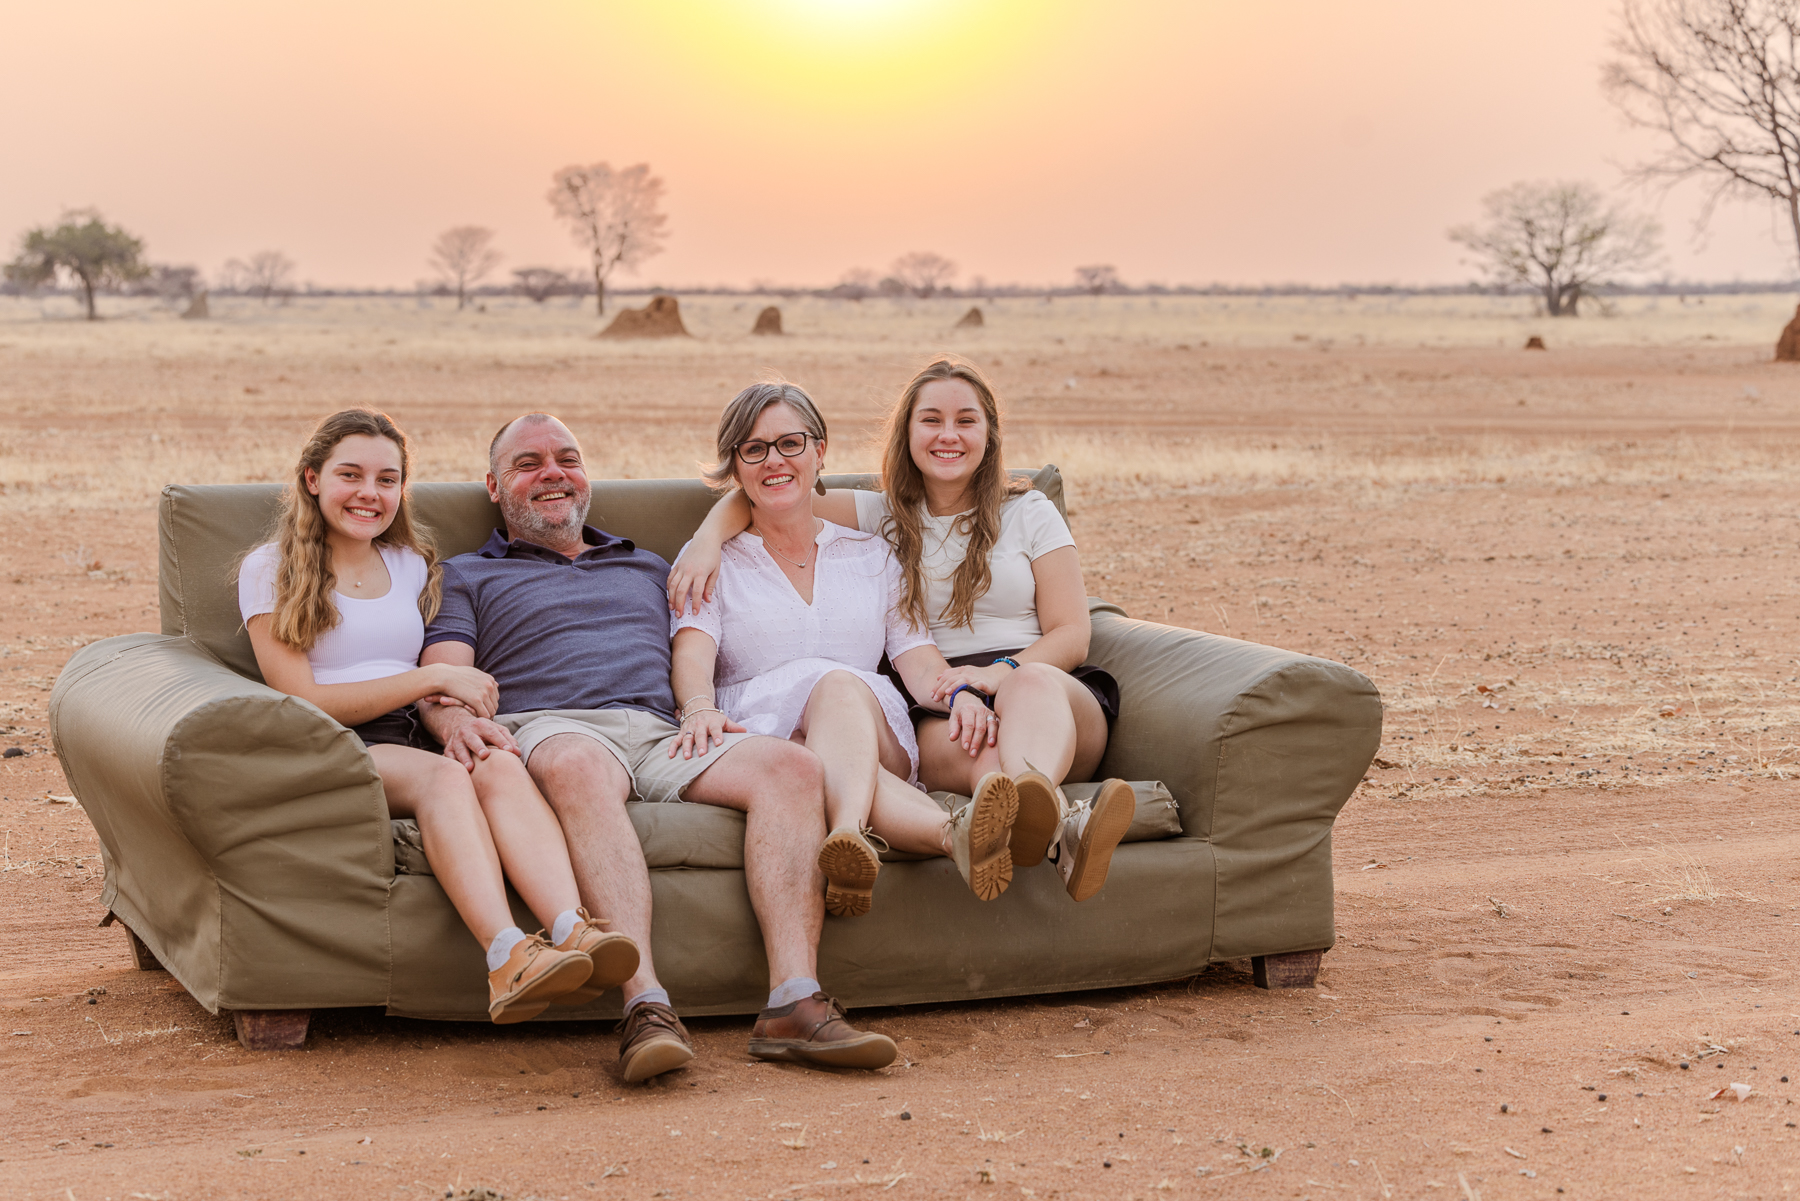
(206, 528)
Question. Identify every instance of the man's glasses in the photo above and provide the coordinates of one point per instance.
(788, 446)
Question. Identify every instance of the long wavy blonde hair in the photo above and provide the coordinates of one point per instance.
(304, 581)
(904, 484)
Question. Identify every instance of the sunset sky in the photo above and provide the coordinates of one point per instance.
(1185, 141)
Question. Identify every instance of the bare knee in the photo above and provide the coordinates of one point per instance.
(577, 772)
(1034, 678)
(788, 776)
(841, 689)
(500, 770)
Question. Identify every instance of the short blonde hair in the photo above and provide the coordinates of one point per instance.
(740, 417)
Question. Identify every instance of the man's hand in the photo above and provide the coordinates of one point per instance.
(470, 739)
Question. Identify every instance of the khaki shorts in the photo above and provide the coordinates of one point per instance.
(639, 741)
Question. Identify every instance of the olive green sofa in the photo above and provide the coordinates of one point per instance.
(248, 850)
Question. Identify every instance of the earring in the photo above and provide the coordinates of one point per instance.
(819, 483)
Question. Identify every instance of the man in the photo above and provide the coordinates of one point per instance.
(573, 624)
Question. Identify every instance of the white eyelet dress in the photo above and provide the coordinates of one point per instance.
(773, 647)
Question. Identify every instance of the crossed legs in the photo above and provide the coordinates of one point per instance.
(865, 767)
(1048, 720)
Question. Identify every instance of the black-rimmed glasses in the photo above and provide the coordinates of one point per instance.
(788, 446)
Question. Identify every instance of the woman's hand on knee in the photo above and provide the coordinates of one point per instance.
(985, 680)
(973, 724)
(701, 731)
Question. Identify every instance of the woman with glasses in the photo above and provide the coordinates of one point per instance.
(991, 568)
(788, 644)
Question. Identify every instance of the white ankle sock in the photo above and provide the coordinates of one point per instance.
(502, 946)
(565, 925)
(796, 989)
(659, 995)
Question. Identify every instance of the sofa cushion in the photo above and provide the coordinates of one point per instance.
(683, 835)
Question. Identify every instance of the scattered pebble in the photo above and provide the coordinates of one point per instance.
(12, 752)
(906, 1115)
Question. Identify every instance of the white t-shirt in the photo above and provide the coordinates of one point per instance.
(1006, 617)
(373, 639)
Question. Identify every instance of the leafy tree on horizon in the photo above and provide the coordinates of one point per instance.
(616, 215)
(1559, 239)
(99, 256)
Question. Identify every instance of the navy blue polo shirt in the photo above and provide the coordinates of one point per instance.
(556, 633)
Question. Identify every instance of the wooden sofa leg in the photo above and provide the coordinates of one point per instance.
(272, 1029)
(1296, 969)
(141, 958)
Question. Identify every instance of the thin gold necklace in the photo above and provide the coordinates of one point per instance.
(765, 541)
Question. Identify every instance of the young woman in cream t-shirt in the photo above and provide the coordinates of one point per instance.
(1012, 622)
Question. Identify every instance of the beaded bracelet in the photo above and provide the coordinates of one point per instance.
(1008, 660)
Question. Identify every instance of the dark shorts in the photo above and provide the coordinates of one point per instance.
(1096, 680)
(402, 727)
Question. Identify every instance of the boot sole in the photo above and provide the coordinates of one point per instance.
(615, 961)
(869, 1052)
(1114, 806)
(533, 998)
(1038, 820)
(850, 868)
(990, 829)
(655, 1058)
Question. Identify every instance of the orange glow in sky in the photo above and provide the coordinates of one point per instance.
(1185, 141)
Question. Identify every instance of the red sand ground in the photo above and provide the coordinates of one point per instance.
(1518, 1006)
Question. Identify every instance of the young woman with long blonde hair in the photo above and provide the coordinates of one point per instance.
(336, 607)
(989, 566)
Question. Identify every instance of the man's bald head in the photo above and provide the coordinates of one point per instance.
(500, 434)
(536, 475)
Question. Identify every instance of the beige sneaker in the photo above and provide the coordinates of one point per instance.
(535, 974)
(615, 958)
(850, 864)
(980, 832)
(1084, 850)
(1041, 814)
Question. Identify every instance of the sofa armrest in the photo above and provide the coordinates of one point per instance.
(245, 833)
(1261, 747)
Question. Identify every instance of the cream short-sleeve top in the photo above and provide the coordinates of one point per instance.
(1006, 618)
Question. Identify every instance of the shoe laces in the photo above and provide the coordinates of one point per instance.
(875, 840)
(535, 945)
(655, 1014)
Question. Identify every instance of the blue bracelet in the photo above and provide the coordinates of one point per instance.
(1008, 660)
(961, 688)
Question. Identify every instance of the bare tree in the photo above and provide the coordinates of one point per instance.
(614, 214)
(1561, 239)
(98, 255)
(923, 272)
(169, 282)
(268, 274)
(1101, 277)
(855, 284)
(1720, 80)
(463, 256)
(541, 283)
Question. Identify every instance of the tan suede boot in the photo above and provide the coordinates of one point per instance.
(980, 832)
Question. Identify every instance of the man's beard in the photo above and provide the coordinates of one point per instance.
(524, 521)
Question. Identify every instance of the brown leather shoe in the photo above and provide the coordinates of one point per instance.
(615, 958)
(812, 1031)
(654, 1041)
(534, 974)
